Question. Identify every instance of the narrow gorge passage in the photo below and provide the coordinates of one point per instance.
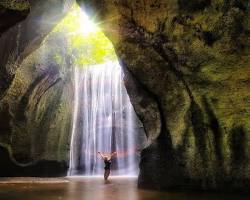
(162, 85)
(104, 121)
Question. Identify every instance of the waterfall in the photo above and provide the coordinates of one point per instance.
(104, 120)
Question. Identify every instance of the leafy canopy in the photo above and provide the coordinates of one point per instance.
(85, 41)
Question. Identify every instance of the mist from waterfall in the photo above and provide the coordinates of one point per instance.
(104, 120)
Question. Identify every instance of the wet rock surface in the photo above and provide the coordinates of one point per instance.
(190, 67)
(41, 168)
(36, 101)
(191, 59)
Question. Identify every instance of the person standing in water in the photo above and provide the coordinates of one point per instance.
(107, 161)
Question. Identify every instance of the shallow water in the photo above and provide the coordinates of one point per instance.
(96, 189)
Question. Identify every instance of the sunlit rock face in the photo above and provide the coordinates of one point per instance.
(18, 41)
(34, 94)
(190, 61)
(187, 73)
(36, 113)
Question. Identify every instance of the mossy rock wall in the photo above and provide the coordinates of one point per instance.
(191, 60)
(37, 113)
(187, 71)
(35, 91)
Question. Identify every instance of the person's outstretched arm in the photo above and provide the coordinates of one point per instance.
(113, 154)
(101, 154)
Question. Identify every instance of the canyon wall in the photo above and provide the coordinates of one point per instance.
(36, 92)
(188, 75)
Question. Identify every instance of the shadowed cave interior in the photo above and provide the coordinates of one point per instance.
(183, 66)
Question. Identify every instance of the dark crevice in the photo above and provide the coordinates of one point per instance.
(209, 38)
(5, 119)
(25, 98)
(5, 79)
(159, 49)
(155, 98)
(42, 168)
(49, 79)
(144, 102)
(217, 133)
(199, 130)
(237, 147)
(57, 80)
(241, 4)
(181, 149)
(8, 18)
(159, 153)
(193, 5)
(48, 116)
(138, 34)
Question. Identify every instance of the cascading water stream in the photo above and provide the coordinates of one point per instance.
(104, 120)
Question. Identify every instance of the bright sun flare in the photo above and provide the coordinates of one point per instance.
(84, 39)
(83, 23)
(86, 25)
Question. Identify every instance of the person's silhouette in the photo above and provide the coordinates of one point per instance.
(107, 161)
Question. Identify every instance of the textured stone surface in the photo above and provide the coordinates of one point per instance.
(10, 14)
(25, 37)
(36, 114)
(187, 73)
(192, 59)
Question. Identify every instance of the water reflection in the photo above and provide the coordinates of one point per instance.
(97, 189)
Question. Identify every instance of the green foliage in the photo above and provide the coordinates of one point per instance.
(85, 42)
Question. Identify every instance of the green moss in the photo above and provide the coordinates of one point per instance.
(15, 4)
